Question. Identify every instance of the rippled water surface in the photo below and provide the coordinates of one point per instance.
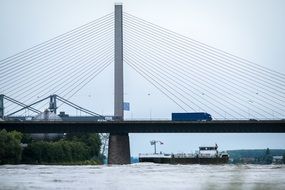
(143, 176)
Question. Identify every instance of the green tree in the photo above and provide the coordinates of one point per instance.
(75, 148)
(33, 153)
(93, 142)
(66, 150)
(10, 148)
(55, 152)
(26, 139)
(267, 157)
(79, 151)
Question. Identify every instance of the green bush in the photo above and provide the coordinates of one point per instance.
(55, 152)
(79, 148)
(10, 148)
(92, 141)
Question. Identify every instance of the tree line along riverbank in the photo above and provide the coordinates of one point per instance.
(72, 149)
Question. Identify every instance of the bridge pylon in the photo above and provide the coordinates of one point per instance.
(119, 145)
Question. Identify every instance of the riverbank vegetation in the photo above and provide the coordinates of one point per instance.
(71, 149)
(258, 156)
(10, 149)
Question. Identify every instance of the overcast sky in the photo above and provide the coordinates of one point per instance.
(252, 29)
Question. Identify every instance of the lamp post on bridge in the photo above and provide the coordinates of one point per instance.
(249, 108)
(150, 110)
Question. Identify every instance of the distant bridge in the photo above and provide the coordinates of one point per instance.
(122, 127)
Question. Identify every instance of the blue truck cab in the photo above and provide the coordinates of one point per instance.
(195, 116)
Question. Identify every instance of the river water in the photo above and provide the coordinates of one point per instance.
(143, 176)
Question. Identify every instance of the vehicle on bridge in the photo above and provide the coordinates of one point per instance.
(194, 116)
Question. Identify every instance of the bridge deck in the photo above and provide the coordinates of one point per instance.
(225, 126)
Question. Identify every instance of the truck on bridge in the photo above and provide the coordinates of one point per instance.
(195, 116)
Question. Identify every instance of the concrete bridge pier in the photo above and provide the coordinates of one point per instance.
(119, 149)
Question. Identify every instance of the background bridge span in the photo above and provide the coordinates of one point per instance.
(268, 126)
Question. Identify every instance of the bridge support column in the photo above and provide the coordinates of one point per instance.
(119, 149)
(1, 106)
(52, 103)
(119, 145)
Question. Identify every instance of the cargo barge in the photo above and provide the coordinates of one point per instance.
(205, 155)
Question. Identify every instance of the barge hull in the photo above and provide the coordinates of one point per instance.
(185, 160)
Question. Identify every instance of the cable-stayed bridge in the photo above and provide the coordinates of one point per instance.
(194, 76)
